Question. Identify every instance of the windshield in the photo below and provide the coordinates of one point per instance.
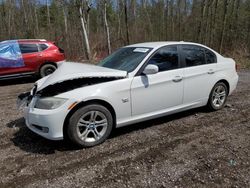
(126, 59)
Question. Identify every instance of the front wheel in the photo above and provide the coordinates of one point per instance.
(218, 96)
(90, 125)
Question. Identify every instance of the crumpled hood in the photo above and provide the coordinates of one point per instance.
(71, 71)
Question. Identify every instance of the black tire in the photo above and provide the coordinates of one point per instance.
(211, 106)
(73, 130)
(47, 69)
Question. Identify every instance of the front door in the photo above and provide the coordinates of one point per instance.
(11, 60)
(161, 91)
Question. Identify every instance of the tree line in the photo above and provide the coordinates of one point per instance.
(93, 28)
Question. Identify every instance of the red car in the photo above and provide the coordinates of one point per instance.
(27, 57)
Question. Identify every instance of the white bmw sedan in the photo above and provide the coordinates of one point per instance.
(139, 82)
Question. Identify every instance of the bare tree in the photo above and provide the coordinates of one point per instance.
(166, 10)
(65, 14)
(221, 24)
(179, 18)
(224, 21)
(84, 8)
(107, 27)
(214, 23)
(236, 16)
(9, 18)
(36, 19)
(183, 33)
(172, 19)
(48, 12)
(126, 21)
(207, 20)
(200, 27)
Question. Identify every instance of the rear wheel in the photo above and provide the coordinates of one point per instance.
(218, 96)
(47, 69)
(90, 125)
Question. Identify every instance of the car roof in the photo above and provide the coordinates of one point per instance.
(33, 41)
(40, 40)
(161, 43)
(27, 41)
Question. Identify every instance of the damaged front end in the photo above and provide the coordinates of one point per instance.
(67, 77)
(69, 85)
(25, 98)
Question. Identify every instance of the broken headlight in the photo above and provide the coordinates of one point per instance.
(49, 103)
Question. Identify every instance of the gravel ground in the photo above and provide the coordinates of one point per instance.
(195, 148)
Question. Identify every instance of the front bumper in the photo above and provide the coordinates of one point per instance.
(46, 123)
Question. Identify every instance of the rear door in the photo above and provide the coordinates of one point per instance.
(200, 66)
(31, 55)
(161, 91)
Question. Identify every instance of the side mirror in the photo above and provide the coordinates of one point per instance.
(151, 69)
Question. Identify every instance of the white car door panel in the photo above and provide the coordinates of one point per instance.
(198, 82)
(160, 91)
(156, 92)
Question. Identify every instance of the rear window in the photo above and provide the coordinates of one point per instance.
(28, 48)
(194, 55)
(210, 57)
(43, 47)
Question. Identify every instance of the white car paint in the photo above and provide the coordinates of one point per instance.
(133, 98)
(147, 90)
(68, 71)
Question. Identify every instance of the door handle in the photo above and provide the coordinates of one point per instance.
(211, 71)
(40, 55)
(177, 79)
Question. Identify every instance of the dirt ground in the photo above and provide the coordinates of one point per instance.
(190, 149)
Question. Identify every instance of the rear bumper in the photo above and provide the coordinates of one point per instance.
(233, 83)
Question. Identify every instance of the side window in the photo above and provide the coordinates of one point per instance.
(9, 51)
(43, 47)
(28, 48)
(193, 55)
(165, 58)
(210, 57)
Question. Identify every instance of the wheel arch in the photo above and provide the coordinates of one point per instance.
(226, 83)
(219, 80)
(47, 63)
(84, 103)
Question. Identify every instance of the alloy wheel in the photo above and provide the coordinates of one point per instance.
(92, 126)
(49, 71)
(219, 96)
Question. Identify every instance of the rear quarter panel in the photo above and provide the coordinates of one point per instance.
(52, 54)
(226, 70)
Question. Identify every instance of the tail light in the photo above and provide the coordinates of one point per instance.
(237, 67)
(61, 50)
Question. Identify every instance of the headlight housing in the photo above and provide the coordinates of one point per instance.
(49, 103)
